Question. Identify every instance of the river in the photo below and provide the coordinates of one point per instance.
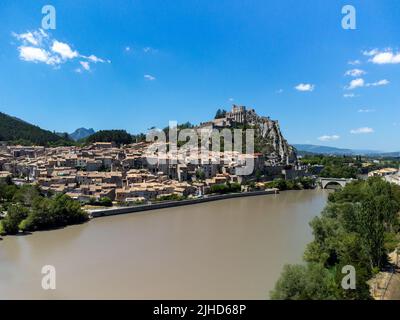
(228, 249)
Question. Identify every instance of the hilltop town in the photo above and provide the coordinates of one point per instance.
(124, 175)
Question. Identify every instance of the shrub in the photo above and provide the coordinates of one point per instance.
(15, 214)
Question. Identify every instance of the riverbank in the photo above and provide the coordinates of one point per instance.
(230, 249)
(386, 284)
(171, 204)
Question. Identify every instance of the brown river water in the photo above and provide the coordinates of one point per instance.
(228, 249)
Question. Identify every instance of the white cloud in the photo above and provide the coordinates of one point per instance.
(371, 52)
(34, 38)
(350, 95)
(359, 83)
(354, 62)
(363, 130)
(366, 110)
(39, 47)
(387, 56)
(356, 83)
(95, 59)
(355, 72)
(149, 50)
(36, 55)
(27, 37)
(305, 87)
(149, 77)
(85, 65)
(64, 50)
(383, 82)
(327, 138)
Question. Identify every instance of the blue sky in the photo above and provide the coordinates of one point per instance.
(153, 61)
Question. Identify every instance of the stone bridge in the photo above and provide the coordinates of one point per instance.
(324, 182)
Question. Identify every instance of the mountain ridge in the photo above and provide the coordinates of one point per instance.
(15, 129)
(319, 149)
(81, 133)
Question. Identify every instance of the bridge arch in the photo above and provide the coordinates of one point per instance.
(330, 182)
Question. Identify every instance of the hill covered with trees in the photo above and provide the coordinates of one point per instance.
(117, 136)
(81, 133)
(17, 131)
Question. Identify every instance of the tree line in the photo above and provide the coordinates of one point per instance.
(26, 208)
(359, 227)
(17, 131)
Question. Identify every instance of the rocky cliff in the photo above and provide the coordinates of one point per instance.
(268, 136)
(270, 141)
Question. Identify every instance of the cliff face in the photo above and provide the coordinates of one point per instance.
(268, 136)
(271, 141)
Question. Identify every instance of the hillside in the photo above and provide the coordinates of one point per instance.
(15, 130)
(117, 136)
(310, 148)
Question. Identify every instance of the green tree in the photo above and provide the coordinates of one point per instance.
(17, 131)
(221, 113)
(26, 195)
(15, 214)
(200, 175)
(280, 184)
(117, 136)
(358, 227)
(52, 213)
(106, 202)
(305, 282)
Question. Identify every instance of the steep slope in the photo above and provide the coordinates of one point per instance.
(270, 141)
(14, 129)
(268, 138)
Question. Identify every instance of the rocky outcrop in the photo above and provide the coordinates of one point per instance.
(268, 136)
(271, 141)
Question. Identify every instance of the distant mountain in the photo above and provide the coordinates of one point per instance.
(13, 129)
(390, 154)
(310, 148)
(81, 133)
